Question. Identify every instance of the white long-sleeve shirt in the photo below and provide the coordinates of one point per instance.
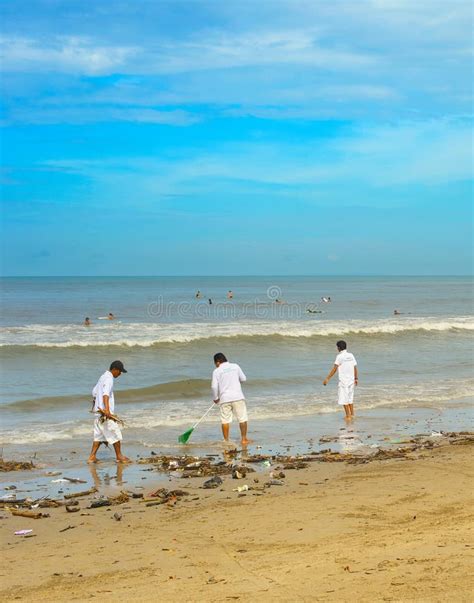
(226, 380)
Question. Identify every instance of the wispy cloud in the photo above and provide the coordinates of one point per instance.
(64, 54)
(96, 114)
(411, 153)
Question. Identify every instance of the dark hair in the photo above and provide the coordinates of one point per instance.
(219, 357)
(341, 345)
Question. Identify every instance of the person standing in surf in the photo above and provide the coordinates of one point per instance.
(346, 367)
(227, 392)
(106, 425)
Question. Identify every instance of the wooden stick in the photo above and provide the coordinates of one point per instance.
(29, 514)
(84, 493)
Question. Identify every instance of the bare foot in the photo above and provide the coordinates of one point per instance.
(92, 459)
(123, 459)
(245, 442)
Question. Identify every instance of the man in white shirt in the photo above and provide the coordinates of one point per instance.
(106, 428)
(227, 392)
(346, 367)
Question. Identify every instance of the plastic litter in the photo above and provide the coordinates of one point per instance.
(22, 532)
(243, 488)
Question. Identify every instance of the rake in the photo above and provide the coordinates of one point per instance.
(184, 437)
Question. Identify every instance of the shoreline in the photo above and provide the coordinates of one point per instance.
(388, 528)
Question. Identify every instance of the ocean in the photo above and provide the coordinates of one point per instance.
(415, 367)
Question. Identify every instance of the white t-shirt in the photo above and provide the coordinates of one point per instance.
(345, 362)
(104, 387)
(226, 380)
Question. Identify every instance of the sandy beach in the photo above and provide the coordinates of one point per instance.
(395, 529)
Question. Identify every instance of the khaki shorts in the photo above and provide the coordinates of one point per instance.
(107, 431)
(237, 408)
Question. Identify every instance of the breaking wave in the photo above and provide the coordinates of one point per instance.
(155, 334)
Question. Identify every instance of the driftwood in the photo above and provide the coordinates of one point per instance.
(29, 514)
(83, 493)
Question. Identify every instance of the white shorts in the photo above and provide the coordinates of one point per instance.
(238, 408)
(345, 394)
(107, 431)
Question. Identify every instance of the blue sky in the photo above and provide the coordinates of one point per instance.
(276, 137)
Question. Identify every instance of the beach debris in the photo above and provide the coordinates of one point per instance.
(83, 493)
(120, 499)
(100, 502)
(47, 503)
(238, 473)
(22, 532)
(275, 482)
(53, 473)
(28, 514)
(71, 480)
(117, 516)
(214, 482)
(162, 496)
(71, 509)
(134, 494)
(67, 528)
(10, 488)
(6, 466)
(243, 488)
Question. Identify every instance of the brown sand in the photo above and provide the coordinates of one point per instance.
(395, 530)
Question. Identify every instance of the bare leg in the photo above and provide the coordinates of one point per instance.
(347, 410)
(118, 453)
(243, 433)
(351, 408)
(92, 457)
(225, 431)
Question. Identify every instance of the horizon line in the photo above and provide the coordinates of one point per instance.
(227, 275)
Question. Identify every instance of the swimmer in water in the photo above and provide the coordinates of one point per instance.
(230, 295)
(87, 322)
(110, 316)
(198, 295)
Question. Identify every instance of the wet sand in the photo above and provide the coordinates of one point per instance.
(387, 530)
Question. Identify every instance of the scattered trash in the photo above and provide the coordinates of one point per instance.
(6, 466)
(10, 488)
(70, 509)
(275, 482)
(71, 480)
(101, 502)
(29, 514)
(117, 516)
(67, 528)
(22, 532)
(214, 482)
(243, 488)
(83, 493)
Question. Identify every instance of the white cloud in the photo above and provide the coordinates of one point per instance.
(88, 114)
(206, 50)
(64, 54)
(415, 153)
